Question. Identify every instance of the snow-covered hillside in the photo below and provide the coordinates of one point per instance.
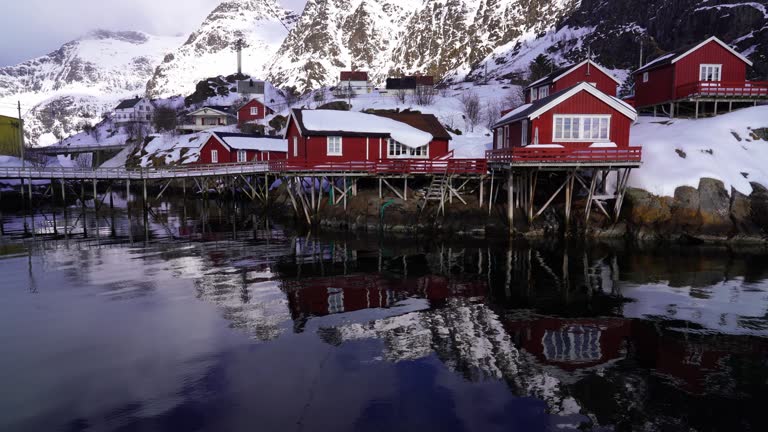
(210, 51)
(80, 81)
(681, 151)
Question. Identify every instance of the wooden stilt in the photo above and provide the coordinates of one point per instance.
(381, 190)
(490, 196)
(482, 182)
(405, 189)
(511, 201)
(715, 107)
(697, 109)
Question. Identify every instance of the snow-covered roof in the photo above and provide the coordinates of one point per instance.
(349, 122)
(251, 142)
(538, 107)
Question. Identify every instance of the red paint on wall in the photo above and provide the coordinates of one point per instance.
(244, 114)
(225, 155)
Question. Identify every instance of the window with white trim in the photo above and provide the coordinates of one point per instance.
(295, 146)
(581, 128)
(214, 156)
(543, 92)
(242, 156)
(398, 150)
(710, 72)
(499, 138)
(334, 146)
(254, 111)
(524, 133)
(533, 94)
(645, 77)
(506, 136)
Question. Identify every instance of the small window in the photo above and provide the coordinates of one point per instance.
(524, 133)
(214, 156)
(645, 77)
(543, 92)
(295, 146)
(533, 94)
(242, 156)
(710, 72)
(254, 111)
(398, 150)
(334, 146)
(499, 138)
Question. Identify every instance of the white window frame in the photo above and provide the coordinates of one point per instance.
(242, 156)
(646, 76)
(534, 92)
(706, 68)
(254, 111)
(582, 134)
(334, 152)
(500, 138)
(396, 150)
(295, 146)
(506, 136)
(543, 92)
(214, 156)
(524, 132)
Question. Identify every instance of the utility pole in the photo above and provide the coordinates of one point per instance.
(21, 135)
(641, 53)
(239, 47)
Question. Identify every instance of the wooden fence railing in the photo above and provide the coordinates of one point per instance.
(723, 89)
(385, 166)
(564, 155)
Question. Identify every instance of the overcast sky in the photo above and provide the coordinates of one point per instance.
(30, 28)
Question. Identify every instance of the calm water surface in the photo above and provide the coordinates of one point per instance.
(204, 320)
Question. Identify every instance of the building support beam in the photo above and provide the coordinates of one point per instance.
(511, 201)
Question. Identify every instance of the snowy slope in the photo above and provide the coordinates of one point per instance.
(80, 81)
(210, 50)
(721, 147)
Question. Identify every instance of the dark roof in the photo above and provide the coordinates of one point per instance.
(409, 82)
(242, 135)
(221, 108)
(426, 122)
(128, 103)
(668, 58)
(532, 107)
(354, 76)
(551, 77)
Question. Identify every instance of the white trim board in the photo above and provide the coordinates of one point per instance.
(600, 68)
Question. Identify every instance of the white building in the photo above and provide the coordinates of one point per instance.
(134, 110)
(207, 117)
(356, 81)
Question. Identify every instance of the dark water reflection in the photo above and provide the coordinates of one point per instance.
(201, 318)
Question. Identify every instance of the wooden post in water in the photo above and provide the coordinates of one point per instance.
(511, 201)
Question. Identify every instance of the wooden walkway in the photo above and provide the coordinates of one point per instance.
(189, 171)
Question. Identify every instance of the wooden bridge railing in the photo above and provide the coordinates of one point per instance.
(564, 155)
(724, 89)
(385, 166)
(186, 171)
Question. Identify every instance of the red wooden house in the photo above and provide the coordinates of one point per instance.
(707, 72)
(568, 76)
(326, 136)
(578, 122)
(253, 111)
(224, 148)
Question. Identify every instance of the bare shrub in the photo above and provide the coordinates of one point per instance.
(492, 112)
(470, 104)
(424, 95)
(165, 119)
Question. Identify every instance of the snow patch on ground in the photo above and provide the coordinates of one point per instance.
(679, 152)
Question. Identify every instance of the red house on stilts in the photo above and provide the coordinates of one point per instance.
(568, 76)
(224, 148)
(579, 123)
(707, 77)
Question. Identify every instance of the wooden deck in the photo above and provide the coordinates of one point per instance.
(384, 167)
(187, 171)
(565, 157)
(745, 90)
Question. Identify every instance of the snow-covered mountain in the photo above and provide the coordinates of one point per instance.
(81, 80)
(435, 37)
(209, 51)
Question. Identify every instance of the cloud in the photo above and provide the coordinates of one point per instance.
(31, 28)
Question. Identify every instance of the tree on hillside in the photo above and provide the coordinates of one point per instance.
(470, 104)
(540, 67)
(492, 112)
(424, 95)
(291, 95)
(165, 119)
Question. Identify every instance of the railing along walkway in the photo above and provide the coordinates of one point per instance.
(723, 89)
(189, 171)
(556, 156)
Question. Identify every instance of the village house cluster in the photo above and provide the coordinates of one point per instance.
(573, 112)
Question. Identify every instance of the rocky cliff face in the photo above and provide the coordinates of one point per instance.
(404, 36)
(210, 50)
(613, 30)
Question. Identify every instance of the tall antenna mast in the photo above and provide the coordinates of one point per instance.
(239, 48)
(641, 53)
(589, 58)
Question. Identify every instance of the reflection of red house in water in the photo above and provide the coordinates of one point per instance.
(574, 344)
(330, 295)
